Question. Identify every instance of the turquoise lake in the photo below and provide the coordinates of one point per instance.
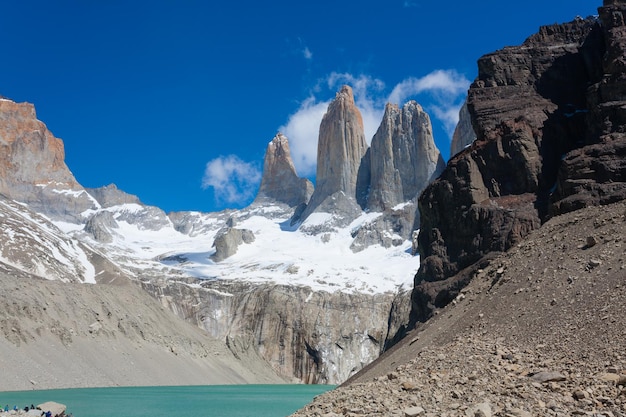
(189, 401)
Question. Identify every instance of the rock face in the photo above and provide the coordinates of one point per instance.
(403, 157)
(546, 143)
(341, 148)
(595, 173)
(280, 181)
(464, 133)
(32, 166)
(293, 328)
(112, 196)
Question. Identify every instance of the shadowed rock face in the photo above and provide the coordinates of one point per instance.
(550, 123)
(280, 182)
(403, 157)
(341, 148)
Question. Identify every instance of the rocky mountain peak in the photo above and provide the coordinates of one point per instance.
(32, 165)
(280, 181)
(403, 156)
(110, 196)
(340, 151)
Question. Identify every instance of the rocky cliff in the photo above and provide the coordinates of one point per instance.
(294, 328)
(280, 182)
(340, 150)
(548, 117)
(32, 165)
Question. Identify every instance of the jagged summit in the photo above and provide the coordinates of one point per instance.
(340, 150)
(280, 181)
(404, 158)
(32, 165)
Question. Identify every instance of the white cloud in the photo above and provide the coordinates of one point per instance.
(233, 181)
(302, 130)
(441, 93)
(444, 84)
(308, 55)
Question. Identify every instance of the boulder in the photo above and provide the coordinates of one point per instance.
(227, 242)
(54, 408)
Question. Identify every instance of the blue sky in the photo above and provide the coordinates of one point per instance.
(175, 102)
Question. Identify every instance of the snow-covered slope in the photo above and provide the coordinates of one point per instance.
(280, 253)
(32, 244)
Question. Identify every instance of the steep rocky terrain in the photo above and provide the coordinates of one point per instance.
(548, 116)
(539, 331)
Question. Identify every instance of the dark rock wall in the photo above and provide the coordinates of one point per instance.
(549, 118)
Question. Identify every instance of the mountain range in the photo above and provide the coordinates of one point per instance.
(308, 279)
(312, 284)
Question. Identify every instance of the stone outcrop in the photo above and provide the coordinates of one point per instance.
(227, 241)
(340, 150)
(464, 133)
(546, 143)
(110, 196)
(280, 182)
(32, 165)
(403, 157)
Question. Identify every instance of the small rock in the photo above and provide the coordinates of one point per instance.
(520, 413)
(594, 263)
(580, 394)
(609, 377)
(591, 241)
(408, 386)
(479, 410)
(543, 377)
(414, 411)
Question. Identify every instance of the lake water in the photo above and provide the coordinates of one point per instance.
(190, 401)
